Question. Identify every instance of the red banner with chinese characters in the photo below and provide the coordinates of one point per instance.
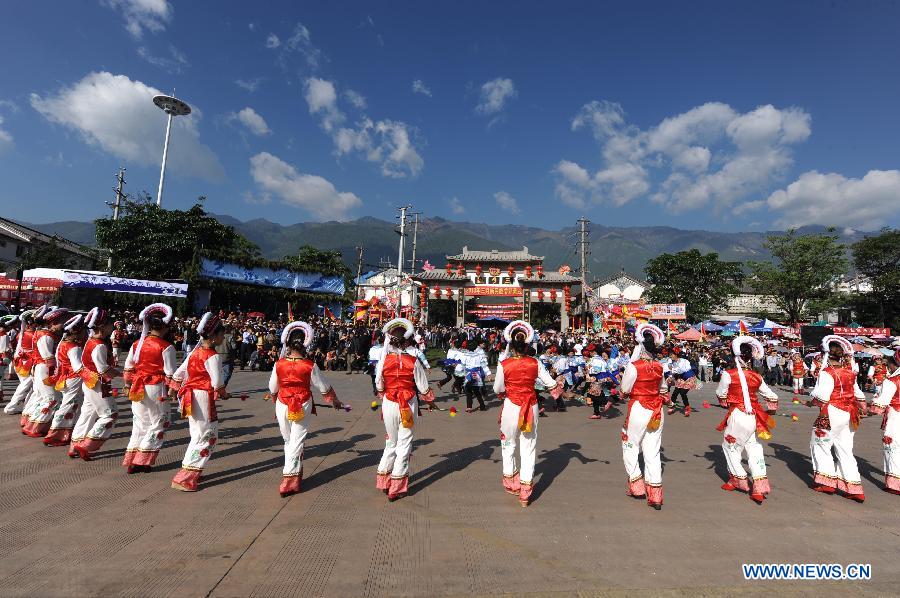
(493, 292)
(847, 331)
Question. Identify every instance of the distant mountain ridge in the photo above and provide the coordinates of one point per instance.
(612, 248)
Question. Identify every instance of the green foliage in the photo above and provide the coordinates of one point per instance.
(47, 255)
(150, 242)
(804, 270)
(878, 258)
(702, 282)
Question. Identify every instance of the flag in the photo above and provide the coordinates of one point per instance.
(427, 266)
(703, 331)
(672, 327)
(290, 313)
(329, 315)
(742, 328)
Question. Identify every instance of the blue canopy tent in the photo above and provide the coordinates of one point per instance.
(765, 326)
(709, 326)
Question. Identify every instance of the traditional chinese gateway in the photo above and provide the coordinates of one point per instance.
(492, 286)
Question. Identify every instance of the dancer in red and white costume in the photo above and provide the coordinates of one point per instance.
(798, 372)
(149, 366)
(741, 387)
(643, 381)
(292, 378)
(514, 381)
(838, 396)
(887, 401)
(68, 382)
(202, 382)
(21, 362)
(7, 337)
(46, 398)
(398, 376)
(99, 411)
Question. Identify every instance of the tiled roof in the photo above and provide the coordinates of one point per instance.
(496, 256)
(554, 277)
(30, 235)
(620, 274)
(439, 275)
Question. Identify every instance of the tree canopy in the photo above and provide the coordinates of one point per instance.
(803, 270)
(702, 282)
(878, 258)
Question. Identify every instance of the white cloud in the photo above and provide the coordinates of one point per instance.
(299, 43)
(392, 144)
(254, 123)
(272, 41)
(710, 155)
(116, 114)
(176, 62)
(257, 200)
(494, 95)
(456, 206)
(355, 98)
(250, 85)
(6, 139)
(143, 15)
(506, 202)
(418, 86)
(310, 192)
(833, 200)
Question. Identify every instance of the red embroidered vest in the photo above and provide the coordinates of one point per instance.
(646, 387)
(87, 356)
(842, 396)
(294, 379)
(735, 396)
(519, 374)
(399, 379)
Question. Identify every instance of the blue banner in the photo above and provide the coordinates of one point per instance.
(114, 284)
(312, 282)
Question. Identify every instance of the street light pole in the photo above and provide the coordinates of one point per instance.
(173, 107)
(400, 260)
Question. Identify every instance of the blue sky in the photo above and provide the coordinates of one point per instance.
(726, 116)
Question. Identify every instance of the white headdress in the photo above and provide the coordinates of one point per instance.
(96, 317)
(659, 337)
(758, 353)
(54, 313)
(408, 327)
(153, 308)
(286, 335)
(72, 323)
(207, 323)
(516, 326)
(844, 343)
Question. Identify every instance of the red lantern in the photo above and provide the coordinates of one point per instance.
(540, 270)
(540, 294)
(478, 270)
(510, 271)
(553, 295)
(449, 293)
(449, 268)
(460, 270)
(437, 292)
(527, 271)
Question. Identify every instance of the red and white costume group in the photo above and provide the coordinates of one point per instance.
(642, 433)
(887, 401)
(98, 410)
(45, 398)
(22, 363)
(741, 387)
(514, 382)
(399, 377)
(290, 385)
(149, 367)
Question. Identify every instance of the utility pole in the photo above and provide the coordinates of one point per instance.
(120, 184)
(412, 268)
(583, 222)
(403, 210)
(359, 254)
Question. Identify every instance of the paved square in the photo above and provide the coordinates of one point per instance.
(69, 528)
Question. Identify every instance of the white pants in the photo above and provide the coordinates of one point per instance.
(294, 435)
(204, 433)
(17, 402)
(741, 430)
(98, 414)
(510, 435)
(798, 384)
(638, 439)
(47, 399)
(843, 474)
(891, 441)
(150, 418)
(64, 417)
(398, 444)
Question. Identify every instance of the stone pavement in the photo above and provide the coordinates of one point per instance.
(69, 528)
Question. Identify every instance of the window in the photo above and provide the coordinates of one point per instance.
(20, 250)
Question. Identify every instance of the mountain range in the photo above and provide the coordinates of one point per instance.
(612, 248)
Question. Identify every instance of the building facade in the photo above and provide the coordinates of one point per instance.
(497, 286)
(17, 240)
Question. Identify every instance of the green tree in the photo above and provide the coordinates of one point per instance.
(878, 258)
(803, 270)
(702, 282)
(151, 242)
